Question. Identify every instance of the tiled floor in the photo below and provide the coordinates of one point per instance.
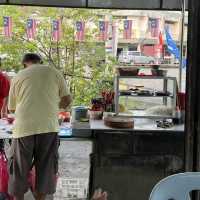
(73, 170)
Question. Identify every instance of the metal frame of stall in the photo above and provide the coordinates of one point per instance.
(104, 4)
(192, 136)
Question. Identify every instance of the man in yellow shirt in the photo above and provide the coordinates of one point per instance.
(36, 95)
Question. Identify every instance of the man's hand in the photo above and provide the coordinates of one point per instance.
(99, 195)
(65, 102)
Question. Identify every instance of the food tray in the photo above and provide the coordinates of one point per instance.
(119, 122)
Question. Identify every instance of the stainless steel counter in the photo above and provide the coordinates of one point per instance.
(140, 125)
(84, 129)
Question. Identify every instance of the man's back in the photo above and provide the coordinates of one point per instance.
(36, 91)
(36, 94)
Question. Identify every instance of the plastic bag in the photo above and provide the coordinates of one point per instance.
(3, 173)
(4, 176)
(32, 179)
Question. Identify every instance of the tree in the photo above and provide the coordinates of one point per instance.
(83, 63)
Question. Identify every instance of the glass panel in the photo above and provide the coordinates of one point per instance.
(77, 3)
(90, 62)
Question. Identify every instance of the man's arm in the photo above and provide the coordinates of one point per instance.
(12, 98)
(65, 97)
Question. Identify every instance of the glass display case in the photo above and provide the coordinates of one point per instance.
(143, 93)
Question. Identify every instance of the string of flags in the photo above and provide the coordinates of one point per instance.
(31, 29)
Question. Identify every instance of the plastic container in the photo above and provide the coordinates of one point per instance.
(79, 112)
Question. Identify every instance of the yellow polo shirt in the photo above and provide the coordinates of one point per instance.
(35, 94)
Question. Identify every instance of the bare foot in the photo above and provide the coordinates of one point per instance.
(99, 195)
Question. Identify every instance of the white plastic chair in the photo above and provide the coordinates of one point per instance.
(176, 187)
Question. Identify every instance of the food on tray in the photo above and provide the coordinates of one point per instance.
(160, 110)
(164, 124)
(126, 92)
(162, 93)
(139, 86)
(145, 92)
(133, 89)
(122, 108)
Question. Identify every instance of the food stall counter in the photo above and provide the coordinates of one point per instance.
(139, 125)
(84, 130)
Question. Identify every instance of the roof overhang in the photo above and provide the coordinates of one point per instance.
(106, 4)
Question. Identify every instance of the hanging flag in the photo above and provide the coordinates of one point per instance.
(128, 29)
(172, 47)
(154, 27)
(161, 41)
(114, 38)
(7, 23)
(103, 30)
(158, 48)
(80, 31)
(31, 28)
(56, 30)
(160, 44)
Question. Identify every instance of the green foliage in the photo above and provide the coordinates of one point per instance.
(83, 63)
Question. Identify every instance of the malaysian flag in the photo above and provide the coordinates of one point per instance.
(80, 31)
(31, 28)
(154, 26)
(7, 24)
(103, 30)
(56, 30)
(128, 29)
(161, 41)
